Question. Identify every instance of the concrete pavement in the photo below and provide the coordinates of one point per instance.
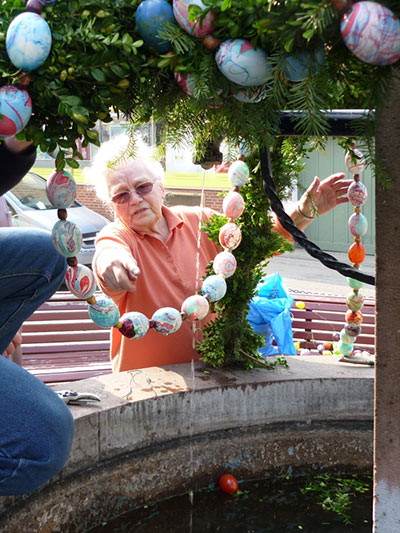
(303, 273)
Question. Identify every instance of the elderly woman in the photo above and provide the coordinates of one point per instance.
(151, 256)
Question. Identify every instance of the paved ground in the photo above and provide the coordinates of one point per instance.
(303, 273)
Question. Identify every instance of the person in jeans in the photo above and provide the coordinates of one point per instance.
(36, 427)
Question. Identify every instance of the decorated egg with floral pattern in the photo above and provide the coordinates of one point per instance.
(230, 236)
(67, 238)
(371, 31)
(233, 204)
(199, 27)
(135, 325)
(357, 193)
(104, 312)
(358, 224)
(195, 307)
(167, 320)
(214, 287)
(80, 281)
(61, 189)
(238, 173)
(15, 110)
(224, 264)
(243, 64)
(28, 41)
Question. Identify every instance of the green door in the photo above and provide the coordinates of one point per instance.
(330, 231)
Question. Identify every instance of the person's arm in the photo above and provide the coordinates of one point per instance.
(16, 159)
(115, 267)
(320, 198)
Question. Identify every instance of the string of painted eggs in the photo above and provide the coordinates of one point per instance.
(67, 239)
(358, 225)
(370, 30)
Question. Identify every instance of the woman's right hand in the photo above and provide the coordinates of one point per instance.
(117, 268)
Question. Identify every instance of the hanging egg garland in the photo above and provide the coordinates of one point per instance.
(357, 194)
(371, 31)
(199, 27)
(243, 64)
(28, 41)
(15, 110)
(151, 15)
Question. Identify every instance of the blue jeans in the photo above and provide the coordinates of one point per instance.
(36, 427)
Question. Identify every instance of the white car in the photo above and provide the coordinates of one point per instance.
(29, 207)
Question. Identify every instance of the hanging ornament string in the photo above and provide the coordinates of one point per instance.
(358, 226)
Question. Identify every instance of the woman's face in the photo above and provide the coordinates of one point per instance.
(140, 212)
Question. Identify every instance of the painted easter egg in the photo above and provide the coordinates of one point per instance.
(233, 204)
(61, 189)
(198, 28)
(167, 320)
(135, 325)
(345, 337)
(104, 312)
(151, 15)
(358, 224)
(372, 32)
(303, 64)
(356, 253)
(354, 161)
(238, 173)
(357, 193)
(355, 301)
(80, 281)
(230, 236)
(243, 64)
(344, 348)
(67, 238)
(251, 96)
(224, 264)
(195, 307)
(228, 483)
(28, 41)
(186, 82)
(16, 110)
(214, 287)
(352, 329)
(354, 316)
(354, 283)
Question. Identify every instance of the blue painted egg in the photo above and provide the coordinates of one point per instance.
(358, 225)
(61, 189)
(300, 65)
(67, 238)
(151, 15)
(104, 312)
(167, 320)
(241, 63)
(238, 173)
(372, 32)
(198, 28)
(28, 41)
(16, 110)
(214, 287)
(135, 325)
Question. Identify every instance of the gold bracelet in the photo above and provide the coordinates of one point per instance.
(302, 214)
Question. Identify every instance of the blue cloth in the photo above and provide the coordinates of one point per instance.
(269, 315)
(36, 427)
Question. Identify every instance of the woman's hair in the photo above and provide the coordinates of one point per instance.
(115, 154)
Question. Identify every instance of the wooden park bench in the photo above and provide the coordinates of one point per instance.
(61, 343)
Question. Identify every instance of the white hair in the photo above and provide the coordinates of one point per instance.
(115, 154)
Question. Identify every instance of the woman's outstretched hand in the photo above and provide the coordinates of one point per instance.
(323, 196)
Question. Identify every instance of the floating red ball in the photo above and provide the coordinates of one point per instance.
(228, 483)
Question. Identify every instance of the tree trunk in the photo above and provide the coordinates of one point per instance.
(387, 384)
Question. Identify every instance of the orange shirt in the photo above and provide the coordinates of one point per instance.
(170, 272)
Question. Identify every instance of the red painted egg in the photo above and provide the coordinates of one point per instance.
(228, 483)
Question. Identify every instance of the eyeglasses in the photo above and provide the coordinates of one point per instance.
(140, 190)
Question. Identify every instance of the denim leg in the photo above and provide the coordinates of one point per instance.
(31, 270)
(36, 431)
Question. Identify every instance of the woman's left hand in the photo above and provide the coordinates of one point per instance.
(322, 196)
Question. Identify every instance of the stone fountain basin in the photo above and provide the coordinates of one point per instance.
(164, 431)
